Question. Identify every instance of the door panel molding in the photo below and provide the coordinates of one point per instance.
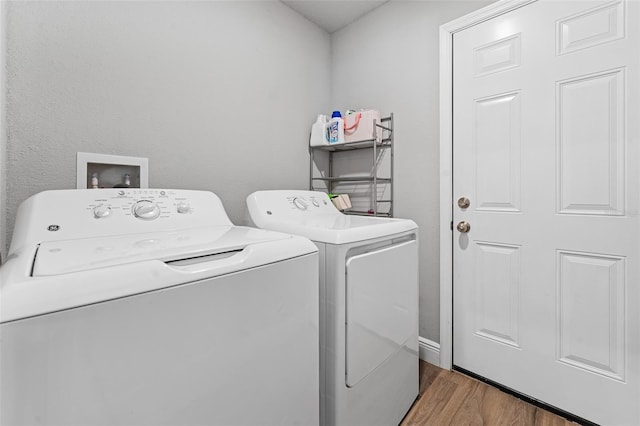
(497, 289)
(497, 152)
(591, 181)
(498, 56)
(591, 28)
(601, 324)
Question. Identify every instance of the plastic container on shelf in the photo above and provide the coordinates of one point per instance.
(361, 125)
(319, 132)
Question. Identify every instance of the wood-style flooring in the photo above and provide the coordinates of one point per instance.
(451, 398)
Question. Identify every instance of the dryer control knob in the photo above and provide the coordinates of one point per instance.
(183, 208)
(300, 203)
(101, 211)
(146, 210)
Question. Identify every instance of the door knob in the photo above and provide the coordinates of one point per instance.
(464, 202)
(463, 227)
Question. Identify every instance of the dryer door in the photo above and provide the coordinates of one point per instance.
(382, 307)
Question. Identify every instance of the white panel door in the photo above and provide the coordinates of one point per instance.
(546, 123)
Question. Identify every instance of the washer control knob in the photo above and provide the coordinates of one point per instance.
(183, 208)
(101, 211)
(315, 203)
(146, 210)
(300, 203)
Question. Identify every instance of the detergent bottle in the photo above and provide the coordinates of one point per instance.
(336, 128)
(319, 132)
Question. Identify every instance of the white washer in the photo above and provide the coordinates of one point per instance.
(368, 304)
(149, 307)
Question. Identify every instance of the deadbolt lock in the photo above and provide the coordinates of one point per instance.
(464, 202)
(463, 227)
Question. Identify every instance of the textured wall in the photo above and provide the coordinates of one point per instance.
(3, 131)
(388, 60)
(218, 95)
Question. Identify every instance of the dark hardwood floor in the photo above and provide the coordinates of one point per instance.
(451, 398)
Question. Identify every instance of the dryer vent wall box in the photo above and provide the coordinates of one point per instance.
(147, 306)
(94, 171)
(368, 304)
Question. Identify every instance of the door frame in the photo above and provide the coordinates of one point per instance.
(446, 163)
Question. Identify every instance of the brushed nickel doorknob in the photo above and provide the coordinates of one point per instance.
(463, 227)
(464, 202)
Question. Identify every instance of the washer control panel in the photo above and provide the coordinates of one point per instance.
(85, 213)
(143, 204)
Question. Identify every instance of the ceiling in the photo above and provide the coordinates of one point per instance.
(332, 15)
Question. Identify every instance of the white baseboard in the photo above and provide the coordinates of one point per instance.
(429, 351)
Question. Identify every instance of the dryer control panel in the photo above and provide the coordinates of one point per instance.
(313, 202)
(289, 205)
(311, 214)
(268, 207)
(85, 213)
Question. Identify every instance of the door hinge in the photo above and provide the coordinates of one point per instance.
(451, 225)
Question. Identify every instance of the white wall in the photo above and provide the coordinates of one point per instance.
(388, 60)
(218, 95)
(3, 131)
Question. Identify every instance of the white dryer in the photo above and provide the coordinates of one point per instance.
(149, 307)
(368, 304)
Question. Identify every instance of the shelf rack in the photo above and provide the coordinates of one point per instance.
(376, 146)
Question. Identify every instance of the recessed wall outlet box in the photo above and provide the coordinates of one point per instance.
(111, 171)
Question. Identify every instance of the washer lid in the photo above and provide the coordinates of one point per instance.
(63, 257)
(74, 273)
